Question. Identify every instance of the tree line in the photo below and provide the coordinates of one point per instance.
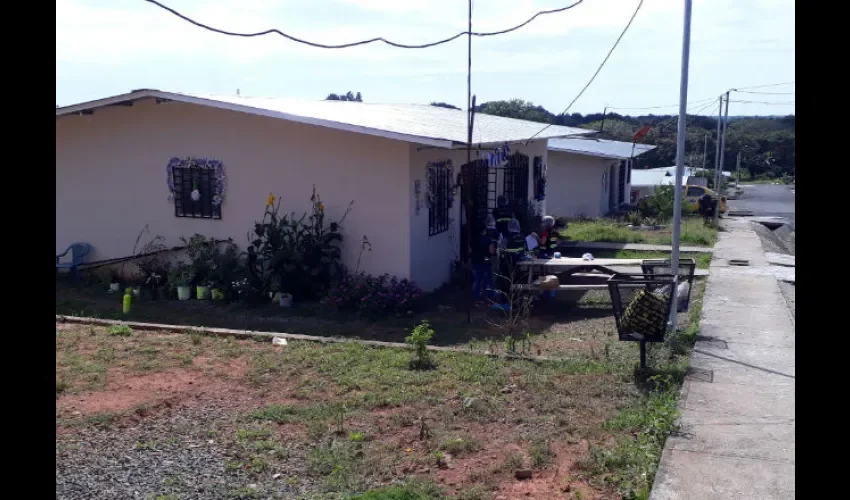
(767, 143)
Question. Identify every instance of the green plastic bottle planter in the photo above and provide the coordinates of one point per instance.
(202, 292)
(217, 294)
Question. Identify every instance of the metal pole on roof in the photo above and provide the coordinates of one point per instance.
(470, 109)
(680, 162)
(722, 151)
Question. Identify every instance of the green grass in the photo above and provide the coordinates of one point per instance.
(693, 232)
(414, 490)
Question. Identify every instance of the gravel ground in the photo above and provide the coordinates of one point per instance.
(181, 455)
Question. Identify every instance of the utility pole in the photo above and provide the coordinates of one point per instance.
(717, 145)
(680, 164)
(704, 148)
(604, 112)
(722, 151)
(738, 170)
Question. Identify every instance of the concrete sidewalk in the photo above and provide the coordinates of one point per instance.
(737, 439)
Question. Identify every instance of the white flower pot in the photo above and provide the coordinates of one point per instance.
(184, 292)
(114, 287)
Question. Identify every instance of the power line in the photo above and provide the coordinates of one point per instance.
(700, 101)
(765, 102)
(616, 43)
(765, 85)
(765, 93)
(361, 42)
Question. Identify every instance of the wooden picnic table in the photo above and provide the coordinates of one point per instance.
(572, 266)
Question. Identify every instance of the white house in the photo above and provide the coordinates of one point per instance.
(589, 177)
(120, 166)
(645, 181)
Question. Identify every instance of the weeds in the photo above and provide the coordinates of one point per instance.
(631, 463)
(513, 461)
(119, 331)
(419, 339)
(460, 446)
(541, 453)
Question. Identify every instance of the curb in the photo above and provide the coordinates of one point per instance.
(253, 334)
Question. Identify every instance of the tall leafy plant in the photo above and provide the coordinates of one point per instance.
(296, 255)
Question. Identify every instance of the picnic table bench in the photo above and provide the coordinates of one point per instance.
(571, 267)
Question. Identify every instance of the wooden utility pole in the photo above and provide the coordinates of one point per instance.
(704, 148)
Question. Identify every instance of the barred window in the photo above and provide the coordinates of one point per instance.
(186, 181)
(439, 197)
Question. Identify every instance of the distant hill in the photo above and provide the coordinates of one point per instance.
(768, 142)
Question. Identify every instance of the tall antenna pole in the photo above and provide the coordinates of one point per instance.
(680, 164)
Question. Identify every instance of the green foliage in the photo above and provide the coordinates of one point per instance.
(631, 463)
(659, 204)
(767, 143)
(348, 96)
(540, 451)
(444, 105)
(300, 256)
(413, 490)
(419, 339)
(120, 331)
(459, 446)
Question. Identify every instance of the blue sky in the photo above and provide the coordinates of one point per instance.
(108, 47)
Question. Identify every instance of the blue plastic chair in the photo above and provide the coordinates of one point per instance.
(79, 252)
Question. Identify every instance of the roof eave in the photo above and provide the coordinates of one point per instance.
(169, 96)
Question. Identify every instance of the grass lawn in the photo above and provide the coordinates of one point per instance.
(693, 232)
(194, 416)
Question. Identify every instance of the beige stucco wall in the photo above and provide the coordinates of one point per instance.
(578, 184)
(432, 256)
(111, 178)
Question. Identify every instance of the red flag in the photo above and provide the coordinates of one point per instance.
(640, 133)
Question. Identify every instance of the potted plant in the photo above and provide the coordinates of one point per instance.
(181, 279)
(202, 291)
(114, 281)
(153, 283)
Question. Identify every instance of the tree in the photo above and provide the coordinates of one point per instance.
(444, 105)
(348, 96)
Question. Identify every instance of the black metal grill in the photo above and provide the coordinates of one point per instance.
(621, 185)
(186, 179)
(687, 269)
(475, 184)
(439, 192)
(641, 305)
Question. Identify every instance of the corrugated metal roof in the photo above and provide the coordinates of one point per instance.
(417, 123)
(664, 175)
(599, 147)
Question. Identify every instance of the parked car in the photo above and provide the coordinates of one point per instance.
(694, 193)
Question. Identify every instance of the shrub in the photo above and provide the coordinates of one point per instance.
(373, 295)
(300, 256)
(420, 337)
(657, 205)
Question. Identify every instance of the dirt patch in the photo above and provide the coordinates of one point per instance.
(128, 391)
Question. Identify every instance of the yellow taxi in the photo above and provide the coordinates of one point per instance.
(693, 193)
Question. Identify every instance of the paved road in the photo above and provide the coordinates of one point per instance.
(775, 200)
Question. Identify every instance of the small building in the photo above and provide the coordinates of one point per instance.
(184, 164)
(590, 177)
(644, 182)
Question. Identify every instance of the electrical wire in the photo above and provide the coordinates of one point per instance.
(700, 101)
(602, 65)
(763, 86)
(361, 42)
(765, 102)
(765, 93)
